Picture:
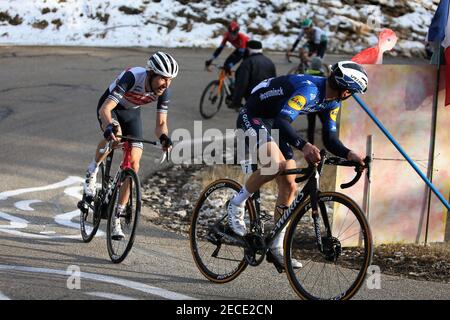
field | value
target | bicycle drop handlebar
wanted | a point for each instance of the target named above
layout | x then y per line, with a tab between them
165	155
306	173
132	139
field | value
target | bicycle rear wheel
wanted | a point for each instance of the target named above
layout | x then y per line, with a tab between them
211	100
336	271
90	214
218	258
128	182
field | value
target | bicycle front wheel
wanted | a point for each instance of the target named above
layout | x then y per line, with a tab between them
218	258
211	100
90	215
336	268
127	193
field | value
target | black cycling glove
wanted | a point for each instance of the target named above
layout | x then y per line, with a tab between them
110	129
165	141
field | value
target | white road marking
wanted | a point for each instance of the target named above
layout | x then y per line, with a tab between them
64	219
3	297
15	223
108	279
110	296
67	182
25	204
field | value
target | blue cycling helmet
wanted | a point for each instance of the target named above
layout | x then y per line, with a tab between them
349	75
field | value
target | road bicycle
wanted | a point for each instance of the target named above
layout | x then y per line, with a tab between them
104	204
326	231
303	66
215	92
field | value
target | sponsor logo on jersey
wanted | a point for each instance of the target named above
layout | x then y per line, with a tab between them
271	93
334	113
297	102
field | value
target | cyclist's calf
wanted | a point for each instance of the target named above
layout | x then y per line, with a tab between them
287	187
136	154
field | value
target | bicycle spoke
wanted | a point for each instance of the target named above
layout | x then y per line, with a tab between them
209	218
330	272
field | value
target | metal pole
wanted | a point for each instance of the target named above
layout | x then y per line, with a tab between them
366	199
366	192
399	148
447	225
433	141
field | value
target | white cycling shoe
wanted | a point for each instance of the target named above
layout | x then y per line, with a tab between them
90	184
236	219
117	233
277	253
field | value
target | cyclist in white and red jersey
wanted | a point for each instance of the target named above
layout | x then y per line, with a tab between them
238	40
119	113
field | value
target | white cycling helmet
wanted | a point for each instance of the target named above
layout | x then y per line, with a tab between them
163	64
349	75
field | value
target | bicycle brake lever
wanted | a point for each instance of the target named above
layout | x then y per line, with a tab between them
164	157
368	163
106	148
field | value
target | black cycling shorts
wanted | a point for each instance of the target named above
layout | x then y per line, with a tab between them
129	120
252	126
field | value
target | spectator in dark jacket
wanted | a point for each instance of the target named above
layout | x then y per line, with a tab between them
255	68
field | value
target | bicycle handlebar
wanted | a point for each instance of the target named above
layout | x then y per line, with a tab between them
219	67
337	161
359	169
132	139
164	156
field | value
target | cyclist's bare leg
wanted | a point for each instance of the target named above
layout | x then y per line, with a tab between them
99	157
136	155
277	160
287	188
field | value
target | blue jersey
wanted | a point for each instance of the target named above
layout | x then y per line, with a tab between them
281	100
292	95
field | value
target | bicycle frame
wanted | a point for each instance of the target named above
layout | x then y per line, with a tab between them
125	164
222	83
311	189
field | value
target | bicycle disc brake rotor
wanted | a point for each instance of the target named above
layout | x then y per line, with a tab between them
256	249
332	248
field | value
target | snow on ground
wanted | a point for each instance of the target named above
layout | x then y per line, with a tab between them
178	23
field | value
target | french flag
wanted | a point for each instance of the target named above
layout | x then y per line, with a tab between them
439	31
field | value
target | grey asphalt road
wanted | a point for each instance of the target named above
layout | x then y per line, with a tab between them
48	132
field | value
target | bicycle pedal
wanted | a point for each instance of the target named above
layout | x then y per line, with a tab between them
82	205
271	259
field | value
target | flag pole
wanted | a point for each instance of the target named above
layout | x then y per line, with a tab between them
399	148
433	139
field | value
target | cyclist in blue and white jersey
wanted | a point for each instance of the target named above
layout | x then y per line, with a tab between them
274	104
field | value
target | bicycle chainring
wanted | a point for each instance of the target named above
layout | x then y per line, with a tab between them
256	249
